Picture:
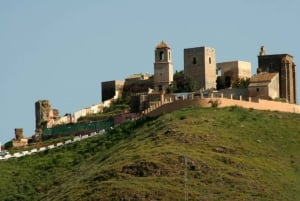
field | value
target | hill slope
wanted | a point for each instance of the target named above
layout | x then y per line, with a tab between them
210	153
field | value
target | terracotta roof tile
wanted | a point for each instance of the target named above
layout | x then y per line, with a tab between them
262	79
264	76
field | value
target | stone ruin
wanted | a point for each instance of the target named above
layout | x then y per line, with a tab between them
19	140
19	134
38	135
42	113
45	117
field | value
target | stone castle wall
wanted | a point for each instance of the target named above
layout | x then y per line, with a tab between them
166	107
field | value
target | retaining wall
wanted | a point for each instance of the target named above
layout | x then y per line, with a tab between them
166	107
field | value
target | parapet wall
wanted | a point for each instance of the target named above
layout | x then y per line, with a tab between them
170	106
263	105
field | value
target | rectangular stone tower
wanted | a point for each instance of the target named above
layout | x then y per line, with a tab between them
200	67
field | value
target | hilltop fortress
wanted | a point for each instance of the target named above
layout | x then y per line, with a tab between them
275	78
202	82
275	81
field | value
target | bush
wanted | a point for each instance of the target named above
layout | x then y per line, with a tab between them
214	103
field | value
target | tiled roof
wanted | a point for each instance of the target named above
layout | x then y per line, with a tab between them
264	76
162	44
262	79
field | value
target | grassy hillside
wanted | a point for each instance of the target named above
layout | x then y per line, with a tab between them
224	154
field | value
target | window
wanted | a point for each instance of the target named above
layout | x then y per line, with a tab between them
194	60
160	87
219	72
271	66
209	60
161	56
257	89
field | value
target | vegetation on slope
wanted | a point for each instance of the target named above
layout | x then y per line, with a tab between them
120	106
226	154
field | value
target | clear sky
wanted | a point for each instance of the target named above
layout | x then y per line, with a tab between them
62	50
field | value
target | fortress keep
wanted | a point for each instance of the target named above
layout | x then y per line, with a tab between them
200	66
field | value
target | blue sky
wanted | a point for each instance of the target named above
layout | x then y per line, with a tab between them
62	50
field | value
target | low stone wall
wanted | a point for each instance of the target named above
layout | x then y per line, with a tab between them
166	107
261	105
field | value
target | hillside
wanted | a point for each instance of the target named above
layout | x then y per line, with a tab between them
213	154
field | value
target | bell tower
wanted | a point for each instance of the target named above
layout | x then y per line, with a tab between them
163	67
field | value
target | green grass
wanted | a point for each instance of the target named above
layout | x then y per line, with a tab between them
232	154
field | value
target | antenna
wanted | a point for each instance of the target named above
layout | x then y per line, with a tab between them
186	195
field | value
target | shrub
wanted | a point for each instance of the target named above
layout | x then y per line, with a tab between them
214	103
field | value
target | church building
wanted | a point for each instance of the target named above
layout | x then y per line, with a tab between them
285	66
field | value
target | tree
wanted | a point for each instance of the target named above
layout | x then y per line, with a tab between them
241	83
227	81
223	82
181	83
220	83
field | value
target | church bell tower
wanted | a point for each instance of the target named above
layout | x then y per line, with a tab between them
163	67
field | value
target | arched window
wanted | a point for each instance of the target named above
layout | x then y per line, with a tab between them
161	56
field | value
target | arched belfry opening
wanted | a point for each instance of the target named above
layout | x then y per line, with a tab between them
161	56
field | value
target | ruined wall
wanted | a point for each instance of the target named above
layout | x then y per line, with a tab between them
19	140
19	133
43	113
112	89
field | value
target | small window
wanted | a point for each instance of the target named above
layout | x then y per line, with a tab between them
257	89
194	60
209	60
160	87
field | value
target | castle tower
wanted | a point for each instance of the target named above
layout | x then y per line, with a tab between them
43	113
200	66
163	67
285	66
